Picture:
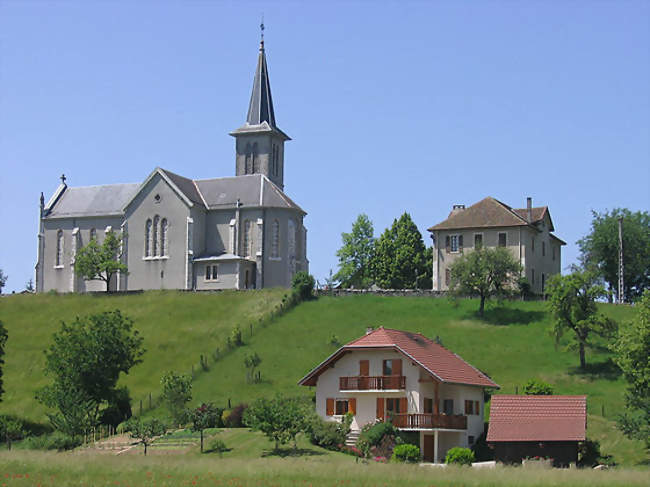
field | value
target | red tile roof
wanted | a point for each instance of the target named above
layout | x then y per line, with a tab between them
444	365
537	418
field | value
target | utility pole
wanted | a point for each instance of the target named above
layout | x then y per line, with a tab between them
620	260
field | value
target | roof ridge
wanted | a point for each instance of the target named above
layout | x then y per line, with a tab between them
100	185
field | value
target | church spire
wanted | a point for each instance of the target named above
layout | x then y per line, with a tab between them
260	108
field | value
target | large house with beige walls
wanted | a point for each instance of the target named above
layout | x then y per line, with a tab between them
525	232
408	379
240	232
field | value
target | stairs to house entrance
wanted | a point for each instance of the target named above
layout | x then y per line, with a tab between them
353	436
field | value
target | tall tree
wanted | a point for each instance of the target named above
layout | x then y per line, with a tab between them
205	416
572	300
600	249
355	255
632	349
485	272
280	419
101	262
85	362
3	280
400	259
176	393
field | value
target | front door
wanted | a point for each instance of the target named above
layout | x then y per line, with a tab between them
427	454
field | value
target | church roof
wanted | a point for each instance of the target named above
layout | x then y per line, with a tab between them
92	200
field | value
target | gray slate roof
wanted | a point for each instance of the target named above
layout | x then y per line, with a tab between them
92	200
260	108
253	190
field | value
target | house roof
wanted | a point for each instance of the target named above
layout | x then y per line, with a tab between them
90	200
537	418
490	212
441	363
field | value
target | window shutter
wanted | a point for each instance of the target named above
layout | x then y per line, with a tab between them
460	243
329	407
364	368
477	407
352	405
468	407
397	367
380	408
447	243
403	405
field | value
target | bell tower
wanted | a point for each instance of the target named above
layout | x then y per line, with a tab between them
259	143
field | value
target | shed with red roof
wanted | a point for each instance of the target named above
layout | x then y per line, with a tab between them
537	426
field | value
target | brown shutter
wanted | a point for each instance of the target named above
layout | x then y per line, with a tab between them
403	405
380	408
460	243
352	405
329	407
468	407
364	368
477	407
397	367
447	243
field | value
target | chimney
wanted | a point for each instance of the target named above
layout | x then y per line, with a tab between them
369	330
456	209
529	208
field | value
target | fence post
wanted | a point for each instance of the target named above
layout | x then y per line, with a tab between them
150	400
229	406
251	329
140	407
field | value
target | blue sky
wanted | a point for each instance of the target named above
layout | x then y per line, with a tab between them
392	106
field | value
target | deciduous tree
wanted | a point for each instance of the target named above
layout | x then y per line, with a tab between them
484	272
101	262
84	363
176	393
280	419
400	258
632	349
600	249
355	255
252	361
572	300
3	280
145	431
207	415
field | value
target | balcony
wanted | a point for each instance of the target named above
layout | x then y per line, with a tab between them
379	383
429	421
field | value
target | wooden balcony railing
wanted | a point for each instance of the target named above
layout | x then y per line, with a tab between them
426	421
380	383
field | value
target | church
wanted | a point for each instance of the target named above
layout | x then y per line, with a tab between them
240	232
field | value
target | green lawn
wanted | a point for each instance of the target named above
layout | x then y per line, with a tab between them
177	328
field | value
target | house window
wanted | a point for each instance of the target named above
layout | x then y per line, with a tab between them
502	239
388	367
448	406
93	234
477	407
392	405
211	272
470	439
275	239
454	243
59	248
543	249
147	238
447	277
428	405
163	237
248	243
478	240
156	243
342	406
469	407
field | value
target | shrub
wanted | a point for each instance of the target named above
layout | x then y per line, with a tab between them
54	441
303	285
235	339
589	454
459	456
233	418
327	434
374	433
406	453
217	445
534	387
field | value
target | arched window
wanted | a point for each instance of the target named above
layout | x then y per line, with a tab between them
156	232
147	238
59	248
275	239
256	163
248	160
248	242
93	234
163	237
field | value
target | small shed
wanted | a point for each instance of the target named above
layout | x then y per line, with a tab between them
537	426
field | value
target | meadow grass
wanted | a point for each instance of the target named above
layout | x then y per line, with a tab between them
23	468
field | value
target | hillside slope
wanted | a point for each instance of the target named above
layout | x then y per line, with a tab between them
177	328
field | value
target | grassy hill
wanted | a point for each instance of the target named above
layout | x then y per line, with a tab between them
511	344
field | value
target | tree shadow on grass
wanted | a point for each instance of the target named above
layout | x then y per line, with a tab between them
606	370
504	316
290	452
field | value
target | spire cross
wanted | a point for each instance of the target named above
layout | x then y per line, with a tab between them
262	33
63	178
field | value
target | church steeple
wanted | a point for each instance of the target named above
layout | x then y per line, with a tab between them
259	142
